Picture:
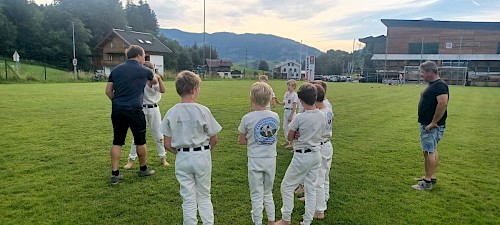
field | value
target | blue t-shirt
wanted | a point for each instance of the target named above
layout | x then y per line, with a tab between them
129	79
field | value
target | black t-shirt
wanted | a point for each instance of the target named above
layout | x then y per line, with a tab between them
129	79
428	102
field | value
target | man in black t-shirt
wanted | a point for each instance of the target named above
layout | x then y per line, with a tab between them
125	89
432	113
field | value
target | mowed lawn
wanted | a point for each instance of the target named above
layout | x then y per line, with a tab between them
55	165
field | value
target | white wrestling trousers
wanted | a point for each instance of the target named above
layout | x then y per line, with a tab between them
261	172
321	188
303	167
153	120
286	114
193	171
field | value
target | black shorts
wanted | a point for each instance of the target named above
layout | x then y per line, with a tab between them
124	118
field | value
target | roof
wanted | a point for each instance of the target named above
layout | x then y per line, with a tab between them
146	40
416	57
285	62
436	24
218	63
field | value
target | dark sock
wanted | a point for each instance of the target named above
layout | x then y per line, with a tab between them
433	179
144	168
427	181
115	172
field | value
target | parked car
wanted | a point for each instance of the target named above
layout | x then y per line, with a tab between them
333	78
318	77
343	78
349	78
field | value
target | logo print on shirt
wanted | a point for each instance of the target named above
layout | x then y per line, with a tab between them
329	118
265	131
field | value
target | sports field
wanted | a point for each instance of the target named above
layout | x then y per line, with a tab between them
55	165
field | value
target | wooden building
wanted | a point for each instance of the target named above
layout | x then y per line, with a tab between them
117	41
473	45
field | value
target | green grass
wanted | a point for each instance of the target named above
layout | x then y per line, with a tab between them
55	165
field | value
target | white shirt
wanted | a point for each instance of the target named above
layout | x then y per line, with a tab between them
328	104
189	125
261	129
152	95
268	107
289	99
329	121
300	108
311	126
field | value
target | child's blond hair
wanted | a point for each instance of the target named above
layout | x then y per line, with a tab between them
186	81
263	78
293	83
260	94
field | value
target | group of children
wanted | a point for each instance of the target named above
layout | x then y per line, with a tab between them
307	132
190	132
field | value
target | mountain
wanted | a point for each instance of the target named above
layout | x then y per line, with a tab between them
239	47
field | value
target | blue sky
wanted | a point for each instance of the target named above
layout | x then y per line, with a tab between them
324	24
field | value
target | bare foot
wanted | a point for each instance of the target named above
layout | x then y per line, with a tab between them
283	222
318	215
164	162
129	165
299	190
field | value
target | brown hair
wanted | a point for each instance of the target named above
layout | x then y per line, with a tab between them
307	92
186	81
260	93
321	92
293	83
134	51
263	78
429	66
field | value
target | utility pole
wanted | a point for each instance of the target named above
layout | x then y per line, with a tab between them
74	52
204	40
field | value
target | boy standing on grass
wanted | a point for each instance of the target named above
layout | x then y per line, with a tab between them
190	132
326	155
290	101
306	161
272	103
258	130
151	109
328	105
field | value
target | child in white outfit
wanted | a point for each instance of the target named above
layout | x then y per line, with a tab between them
258	130
306	161
326	155
190	132
290	102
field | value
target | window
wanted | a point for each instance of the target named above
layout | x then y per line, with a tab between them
110	57
425	48
112	45
284	69
295	70
148	42
140	41
288	64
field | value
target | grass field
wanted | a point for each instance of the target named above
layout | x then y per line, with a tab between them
55	166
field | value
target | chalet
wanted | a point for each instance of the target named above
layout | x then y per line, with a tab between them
219	66
117	41
288	70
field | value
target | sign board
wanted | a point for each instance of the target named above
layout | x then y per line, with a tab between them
16	56
310	61
75	62
449	45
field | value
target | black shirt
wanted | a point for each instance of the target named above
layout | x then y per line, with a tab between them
428	102
129	80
